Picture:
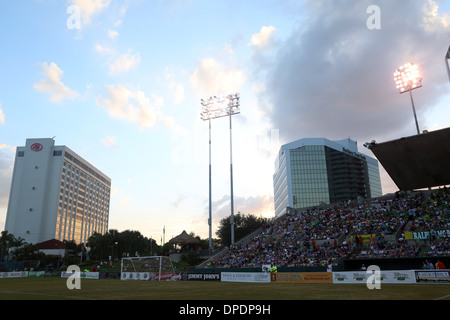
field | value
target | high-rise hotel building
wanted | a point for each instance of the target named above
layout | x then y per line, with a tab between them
56	194
315	171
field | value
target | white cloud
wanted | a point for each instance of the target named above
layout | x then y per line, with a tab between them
112	34
119	63
211	78
433	20
52	84
332	77
102	49
89	8
263	38
175	88
2	115
125	62
131	105
109	142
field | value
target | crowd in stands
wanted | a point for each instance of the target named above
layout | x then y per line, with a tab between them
440	247
319	237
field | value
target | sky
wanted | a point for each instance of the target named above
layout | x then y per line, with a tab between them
120	83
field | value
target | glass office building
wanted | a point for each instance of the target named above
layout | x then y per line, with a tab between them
316	171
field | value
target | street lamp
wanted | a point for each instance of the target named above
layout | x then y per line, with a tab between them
407	78
447	57
213	108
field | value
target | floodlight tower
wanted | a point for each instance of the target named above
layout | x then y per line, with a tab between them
447	57
407	78
213	108
234	108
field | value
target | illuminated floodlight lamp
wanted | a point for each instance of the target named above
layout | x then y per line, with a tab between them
407	77
222	106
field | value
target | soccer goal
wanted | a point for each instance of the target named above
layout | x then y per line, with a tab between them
147	268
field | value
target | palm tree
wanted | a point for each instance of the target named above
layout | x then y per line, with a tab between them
7	240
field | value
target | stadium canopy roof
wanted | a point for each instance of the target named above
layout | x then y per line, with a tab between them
416	162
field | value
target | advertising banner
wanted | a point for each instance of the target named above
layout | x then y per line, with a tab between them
365	237
261	277
200	276
165	276
402	276
303	277
433	276
14	274
82	275
426	234
135	276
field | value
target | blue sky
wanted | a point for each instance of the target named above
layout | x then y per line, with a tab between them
123	90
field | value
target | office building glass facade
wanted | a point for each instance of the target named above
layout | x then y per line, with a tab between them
309	176
312	172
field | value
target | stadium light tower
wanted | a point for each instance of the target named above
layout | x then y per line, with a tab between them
447	57
407	78
213	108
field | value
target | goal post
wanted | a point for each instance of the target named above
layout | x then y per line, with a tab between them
147	268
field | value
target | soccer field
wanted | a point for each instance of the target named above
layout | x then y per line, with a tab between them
91	289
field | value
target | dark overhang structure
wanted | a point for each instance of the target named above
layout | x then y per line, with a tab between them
416	162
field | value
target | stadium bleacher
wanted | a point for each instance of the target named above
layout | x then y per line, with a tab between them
378	228
409	224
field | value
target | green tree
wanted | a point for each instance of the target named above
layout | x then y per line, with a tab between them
74	249
27	252
243	226
6	240
118	244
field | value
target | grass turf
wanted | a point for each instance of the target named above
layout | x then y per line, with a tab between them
56	289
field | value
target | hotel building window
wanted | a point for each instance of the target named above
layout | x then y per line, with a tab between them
70	197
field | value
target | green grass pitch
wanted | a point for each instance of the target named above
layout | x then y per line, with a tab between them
49	288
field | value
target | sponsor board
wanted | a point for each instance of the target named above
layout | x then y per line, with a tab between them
303	277
109	275
147	276
427	234
402	276
14	274
261	277
200	276
433	276
81	275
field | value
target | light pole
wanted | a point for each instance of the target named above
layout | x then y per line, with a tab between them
213	108
407	78
447	57
233	104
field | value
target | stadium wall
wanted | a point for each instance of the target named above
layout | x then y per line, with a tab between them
392	263
335	277
347	265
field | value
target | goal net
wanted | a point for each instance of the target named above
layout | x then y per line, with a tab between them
147	268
